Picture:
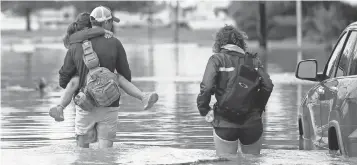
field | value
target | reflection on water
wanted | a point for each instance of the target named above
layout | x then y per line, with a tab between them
173	122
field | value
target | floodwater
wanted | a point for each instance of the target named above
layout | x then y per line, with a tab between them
172	132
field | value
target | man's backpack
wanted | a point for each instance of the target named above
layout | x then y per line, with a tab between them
101	87
241	91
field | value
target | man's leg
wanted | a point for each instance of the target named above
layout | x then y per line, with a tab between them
225	141
81	142
103	143
85	128
107	126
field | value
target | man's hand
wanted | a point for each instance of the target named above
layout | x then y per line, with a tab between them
108	34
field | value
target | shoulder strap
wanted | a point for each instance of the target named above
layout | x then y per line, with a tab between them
90	58
252	60
248	59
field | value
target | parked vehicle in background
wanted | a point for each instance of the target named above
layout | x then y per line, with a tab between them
328	113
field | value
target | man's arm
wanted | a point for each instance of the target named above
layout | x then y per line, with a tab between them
67	70
122	65
207	85
86	34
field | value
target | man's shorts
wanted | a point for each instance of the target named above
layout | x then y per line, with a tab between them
101	123
246	135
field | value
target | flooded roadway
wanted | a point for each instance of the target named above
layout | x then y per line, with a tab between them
172	132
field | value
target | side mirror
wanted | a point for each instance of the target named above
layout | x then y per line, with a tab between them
306	70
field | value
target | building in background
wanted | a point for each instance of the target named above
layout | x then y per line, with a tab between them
55	18
46	18
191	14
13	22
133	20
207	14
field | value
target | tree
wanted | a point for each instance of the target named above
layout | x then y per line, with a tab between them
325	21
262	33
130	6
25	8
245	13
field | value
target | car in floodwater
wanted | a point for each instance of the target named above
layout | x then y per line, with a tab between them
328	113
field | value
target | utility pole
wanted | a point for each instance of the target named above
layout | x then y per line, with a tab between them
299	29
28	19
176	31
262	33
150	39
299	40
150	25
176	38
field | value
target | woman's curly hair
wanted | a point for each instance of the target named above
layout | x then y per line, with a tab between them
229	35
82	21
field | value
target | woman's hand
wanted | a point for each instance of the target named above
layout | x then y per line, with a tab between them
108	34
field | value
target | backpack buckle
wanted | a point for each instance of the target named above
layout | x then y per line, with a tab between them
87	47
90	58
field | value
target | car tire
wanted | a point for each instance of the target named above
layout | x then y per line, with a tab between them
332	139
300	128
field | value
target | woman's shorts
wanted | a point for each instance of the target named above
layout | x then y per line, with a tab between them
246	135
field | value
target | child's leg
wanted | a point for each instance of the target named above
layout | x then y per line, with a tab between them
71	87
130	88
149	99
57	112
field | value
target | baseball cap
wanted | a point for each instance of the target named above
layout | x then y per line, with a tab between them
102	13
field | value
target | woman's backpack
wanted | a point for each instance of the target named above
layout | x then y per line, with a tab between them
241	91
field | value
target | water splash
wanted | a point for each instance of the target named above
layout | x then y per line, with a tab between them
67	153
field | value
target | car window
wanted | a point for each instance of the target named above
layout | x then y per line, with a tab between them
332	64
353	69
346	55
353	65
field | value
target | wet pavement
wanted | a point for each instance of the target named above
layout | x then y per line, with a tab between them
172	132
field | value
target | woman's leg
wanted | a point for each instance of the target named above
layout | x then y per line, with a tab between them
251	138
148	99
253	148
57	111
225	141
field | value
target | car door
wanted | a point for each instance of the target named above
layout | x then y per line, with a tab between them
334	89
316	107
345	106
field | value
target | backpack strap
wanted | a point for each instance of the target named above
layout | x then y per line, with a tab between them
90	58
249	59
